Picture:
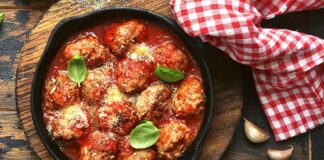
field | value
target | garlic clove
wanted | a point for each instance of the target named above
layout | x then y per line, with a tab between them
254	133
275	154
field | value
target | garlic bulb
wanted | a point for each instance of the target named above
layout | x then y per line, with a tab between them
254	133
275	154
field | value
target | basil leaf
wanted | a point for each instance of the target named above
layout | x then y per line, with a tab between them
1	17
168	74
77	69
144	135
145	121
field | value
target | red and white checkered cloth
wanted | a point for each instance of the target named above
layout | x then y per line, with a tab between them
287	66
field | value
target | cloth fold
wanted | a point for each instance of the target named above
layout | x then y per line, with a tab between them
288	66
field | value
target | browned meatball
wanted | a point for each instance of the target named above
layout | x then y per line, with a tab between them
140	52
60	90
154	96
174	138
146	154
119	118
189	98
99	145
114	95
96	83
168	55
132	76
120	35
126	152
89	47
70	122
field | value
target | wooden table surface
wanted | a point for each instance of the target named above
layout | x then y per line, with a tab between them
22	15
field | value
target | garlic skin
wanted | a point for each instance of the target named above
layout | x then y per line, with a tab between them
275	154
254	133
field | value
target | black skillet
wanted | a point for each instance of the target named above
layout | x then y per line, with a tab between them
69	26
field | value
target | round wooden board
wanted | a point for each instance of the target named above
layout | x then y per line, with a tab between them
226	77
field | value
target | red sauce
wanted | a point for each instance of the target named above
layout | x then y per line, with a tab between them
156	35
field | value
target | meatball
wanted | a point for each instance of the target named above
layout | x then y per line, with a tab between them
140	52
174	138
99	145
70	122
133	75
96	83
189	97
168	55
124	148
119	118
154	96
114	95
89	47
60	90
147	154
126	152
120	35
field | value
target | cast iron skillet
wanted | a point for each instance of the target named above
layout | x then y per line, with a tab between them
69	26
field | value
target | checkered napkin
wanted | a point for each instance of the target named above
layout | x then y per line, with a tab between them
287	66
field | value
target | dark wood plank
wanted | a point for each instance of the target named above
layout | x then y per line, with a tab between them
293	21
316	26
316	23
317	143
25	4
13	143
13	32
228	96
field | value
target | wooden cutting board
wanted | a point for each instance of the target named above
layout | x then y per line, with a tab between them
226	76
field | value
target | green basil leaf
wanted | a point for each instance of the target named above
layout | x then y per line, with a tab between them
144	135
77	69
168	74
1	17
146	121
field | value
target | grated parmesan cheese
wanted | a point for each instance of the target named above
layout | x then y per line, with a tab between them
140	52
114	95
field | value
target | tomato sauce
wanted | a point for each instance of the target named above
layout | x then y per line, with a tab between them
156	35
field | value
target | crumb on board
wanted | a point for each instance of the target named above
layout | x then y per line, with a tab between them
97	4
